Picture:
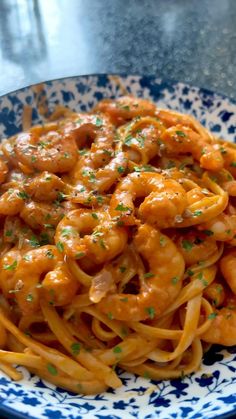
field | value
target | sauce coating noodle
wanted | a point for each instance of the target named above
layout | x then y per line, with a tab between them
117	239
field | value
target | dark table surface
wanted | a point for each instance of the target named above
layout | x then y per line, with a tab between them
188	40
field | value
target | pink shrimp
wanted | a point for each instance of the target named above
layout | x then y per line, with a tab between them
45	149
181	140
102	239
125	108
162	283
164	199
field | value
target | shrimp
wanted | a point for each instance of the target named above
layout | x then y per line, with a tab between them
222	227
162	283
45	149
3	170
140	138
215	293
46	187
43	267
229	155
195	246
40	215
12	201
182	140
101	179
125	108
94	129
8	264
228	268
17	233
164	199
86	233
223	328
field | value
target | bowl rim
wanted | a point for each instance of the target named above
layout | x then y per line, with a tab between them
121	74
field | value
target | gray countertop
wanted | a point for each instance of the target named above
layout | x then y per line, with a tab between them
192	41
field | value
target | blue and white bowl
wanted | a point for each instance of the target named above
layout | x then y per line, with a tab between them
209	393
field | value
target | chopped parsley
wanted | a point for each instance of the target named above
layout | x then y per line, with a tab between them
174	280
79	255
124	300
202	279
122	269
110	316
75	348
212	316
233	164
34	242
51	369
23	195
121	207
8	233
98	122
162	241
187	245
29	298
49	254
148	275
60	246
66	232
117	350
190	273
151	312
10	267
120	169
33	159
180	133
197	213
94	215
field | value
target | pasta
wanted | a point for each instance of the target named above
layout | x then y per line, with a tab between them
117	245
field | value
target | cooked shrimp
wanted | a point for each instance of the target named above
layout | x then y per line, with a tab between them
102	179
43	149
182	140
17	233
140	138
164	199
46	187
163	282
222	227
92	234
215	293
228	269
195	246
12	201
223	327
8	265
32	270
229	155
39	214
95	130
125	108
3	170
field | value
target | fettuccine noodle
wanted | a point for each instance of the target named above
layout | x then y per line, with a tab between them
117	245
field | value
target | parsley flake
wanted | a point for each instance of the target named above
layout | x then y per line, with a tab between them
212	316
121	207
151	312
75	347
10	267
51	369
187	245
60	246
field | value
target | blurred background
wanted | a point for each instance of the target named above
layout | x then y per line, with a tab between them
192	41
